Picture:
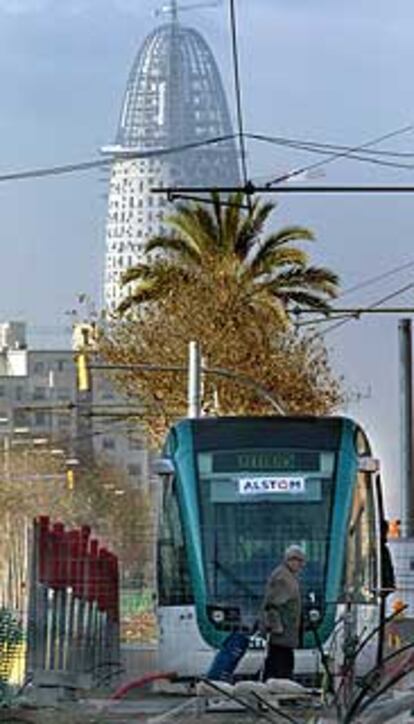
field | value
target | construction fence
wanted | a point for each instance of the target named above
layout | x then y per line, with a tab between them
69	635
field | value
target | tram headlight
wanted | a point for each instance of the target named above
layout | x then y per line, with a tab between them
217	615
314	616
224	617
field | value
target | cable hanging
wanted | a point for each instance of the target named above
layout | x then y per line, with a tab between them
356	313
103	162
344	154
318	145
308	146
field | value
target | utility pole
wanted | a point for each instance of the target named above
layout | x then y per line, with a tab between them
194	380
401	534
406	407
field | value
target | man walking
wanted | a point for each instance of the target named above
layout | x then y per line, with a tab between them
281	615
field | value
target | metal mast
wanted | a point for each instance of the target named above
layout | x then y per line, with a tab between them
406	397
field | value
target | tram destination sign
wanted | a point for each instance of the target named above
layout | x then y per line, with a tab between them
271	485
266	461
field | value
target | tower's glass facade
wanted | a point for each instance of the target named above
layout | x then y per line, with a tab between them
174	97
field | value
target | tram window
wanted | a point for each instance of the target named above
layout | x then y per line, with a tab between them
361	565
246	530
362	445
173	575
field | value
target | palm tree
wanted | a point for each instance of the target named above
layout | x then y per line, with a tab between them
226	242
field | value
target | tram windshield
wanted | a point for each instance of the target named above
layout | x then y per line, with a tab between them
253	504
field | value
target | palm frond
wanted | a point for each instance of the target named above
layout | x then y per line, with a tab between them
284	236
143	293
218	216
326	279
136	273
207	225
185	248
287	256
232	219
318	279
156	278
309	301
197	226
252	227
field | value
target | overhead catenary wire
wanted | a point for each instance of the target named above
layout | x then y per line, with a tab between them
358	312
273	186
377	278
181	192
84	166
327	149
129	155
351	156
237	88
316	145
391	295
369	281
346	153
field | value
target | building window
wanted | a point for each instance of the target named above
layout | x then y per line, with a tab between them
39	393
20	418
60	365
108	443
18	393
40	419
38	368
107	394
63	393
135	444
134	469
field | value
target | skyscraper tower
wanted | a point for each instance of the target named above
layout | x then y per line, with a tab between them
174	97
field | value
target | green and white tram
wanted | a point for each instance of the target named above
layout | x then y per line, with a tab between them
235	492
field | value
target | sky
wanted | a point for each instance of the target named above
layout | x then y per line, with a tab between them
326	71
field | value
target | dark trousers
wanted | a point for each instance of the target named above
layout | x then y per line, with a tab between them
279	663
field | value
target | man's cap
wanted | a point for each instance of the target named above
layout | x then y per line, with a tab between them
295	552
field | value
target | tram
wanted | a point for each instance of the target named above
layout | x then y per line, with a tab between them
236	491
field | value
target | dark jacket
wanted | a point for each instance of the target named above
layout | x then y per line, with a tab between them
281	609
